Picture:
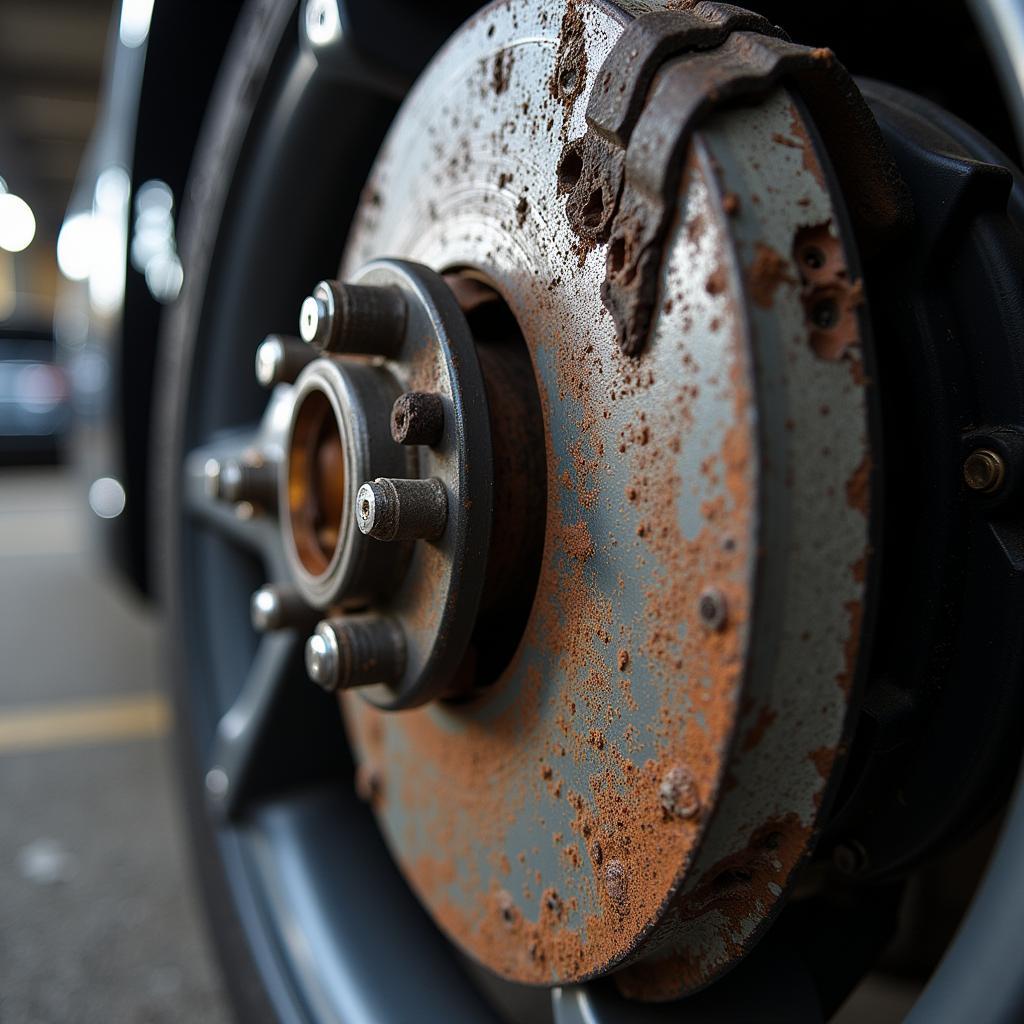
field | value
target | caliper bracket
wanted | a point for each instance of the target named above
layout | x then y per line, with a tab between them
623	176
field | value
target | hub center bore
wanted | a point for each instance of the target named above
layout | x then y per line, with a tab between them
387	487
337	437
316	482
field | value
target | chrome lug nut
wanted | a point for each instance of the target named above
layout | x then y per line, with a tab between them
353	318
280	359
417	417
279	606
393	509
357	650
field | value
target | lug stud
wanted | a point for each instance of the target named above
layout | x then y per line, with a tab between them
279	606
280	359
357	650
392	509
250	479
417	417
353	318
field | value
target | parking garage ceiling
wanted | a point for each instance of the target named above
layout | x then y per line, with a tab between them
51	68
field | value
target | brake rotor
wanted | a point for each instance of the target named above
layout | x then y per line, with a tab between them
638	786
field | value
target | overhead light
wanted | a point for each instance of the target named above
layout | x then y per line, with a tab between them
74	246
17	223
109	239
135	19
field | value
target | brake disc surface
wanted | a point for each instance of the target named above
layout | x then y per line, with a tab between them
638	786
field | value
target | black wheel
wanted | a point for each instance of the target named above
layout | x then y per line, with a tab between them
589	489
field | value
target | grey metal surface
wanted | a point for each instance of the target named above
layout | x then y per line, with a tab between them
530	821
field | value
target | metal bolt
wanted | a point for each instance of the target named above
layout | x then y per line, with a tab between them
850	858
211	478
238	480
280	359
712	609
678	792
353	318
391	509
357	650
279	606
417	417
217	782
984	471
616	882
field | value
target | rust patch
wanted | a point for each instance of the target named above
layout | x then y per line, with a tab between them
570	73
717	281
858	487
768	271
737	887
831	300
501	70
756	732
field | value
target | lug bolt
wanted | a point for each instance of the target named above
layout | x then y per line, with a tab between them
712	609
417	417
984	471
238	480
390	509
278	606
280	359
353	318
850	858
358	650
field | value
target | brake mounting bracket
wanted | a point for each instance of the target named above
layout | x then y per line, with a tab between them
667	73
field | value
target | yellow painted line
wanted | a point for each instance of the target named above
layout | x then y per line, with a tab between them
86	723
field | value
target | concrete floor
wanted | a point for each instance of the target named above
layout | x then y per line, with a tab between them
97	920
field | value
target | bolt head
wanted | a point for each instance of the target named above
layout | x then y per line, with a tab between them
678	793
368	507
315	320
211	478
850	858
417	417
712	609
265	610
231	481
322	657
984	471
269	362
216	782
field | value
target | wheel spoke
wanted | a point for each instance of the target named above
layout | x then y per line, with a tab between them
236	771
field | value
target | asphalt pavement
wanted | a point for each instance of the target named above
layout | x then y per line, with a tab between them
98	918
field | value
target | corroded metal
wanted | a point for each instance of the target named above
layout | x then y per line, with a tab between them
636	790
625	172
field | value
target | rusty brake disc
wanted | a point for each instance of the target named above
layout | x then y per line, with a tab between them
637	786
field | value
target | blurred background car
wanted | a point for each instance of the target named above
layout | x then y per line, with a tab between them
35	399
176	176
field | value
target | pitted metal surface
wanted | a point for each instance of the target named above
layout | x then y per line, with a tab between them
640	783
